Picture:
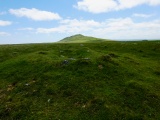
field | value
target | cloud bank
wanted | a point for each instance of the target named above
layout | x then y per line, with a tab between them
101	6
5	23
142	15
35	14
122	28
4	34
71	26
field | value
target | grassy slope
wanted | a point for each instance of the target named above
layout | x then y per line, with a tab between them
80	38
109	80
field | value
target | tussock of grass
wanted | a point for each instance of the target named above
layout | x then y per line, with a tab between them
98	81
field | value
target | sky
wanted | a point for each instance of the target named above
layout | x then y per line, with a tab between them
45	21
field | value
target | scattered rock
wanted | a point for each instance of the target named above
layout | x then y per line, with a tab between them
65	62
49	100
72	59
86	58
62	56
81	45
100	66
10	88
33	81
27	84
34	90
83	106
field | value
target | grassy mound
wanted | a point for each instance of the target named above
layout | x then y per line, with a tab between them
98	81
81	39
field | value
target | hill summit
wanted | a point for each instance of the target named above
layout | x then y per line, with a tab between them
79	38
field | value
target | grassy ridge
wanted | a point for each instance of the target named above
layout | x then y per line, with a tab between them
98	81
81	39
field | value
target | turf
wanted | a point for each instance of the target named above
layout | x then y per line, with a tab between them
80	81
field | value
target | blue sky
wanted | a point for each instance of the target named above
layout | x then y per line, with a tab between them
40	21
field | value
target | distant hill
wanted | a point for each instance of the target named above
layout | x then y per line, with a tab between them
81	38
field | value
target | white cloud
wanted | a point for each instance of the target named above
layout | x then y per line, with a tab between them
96	6
35	14
4	34
5	23
122	28
71	26
154	2
126	28
142	15
100	6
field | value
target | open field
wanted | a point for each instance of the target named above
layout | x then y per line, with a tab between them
80	81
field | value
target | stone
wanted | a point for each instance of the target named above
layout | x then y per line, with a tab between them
81	45
100	66
65	62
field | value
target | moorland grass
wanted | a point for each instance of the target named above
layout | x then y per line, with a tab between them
71	81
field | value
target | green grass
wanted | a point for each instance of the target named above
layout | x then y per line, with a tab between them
81	39
98	81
